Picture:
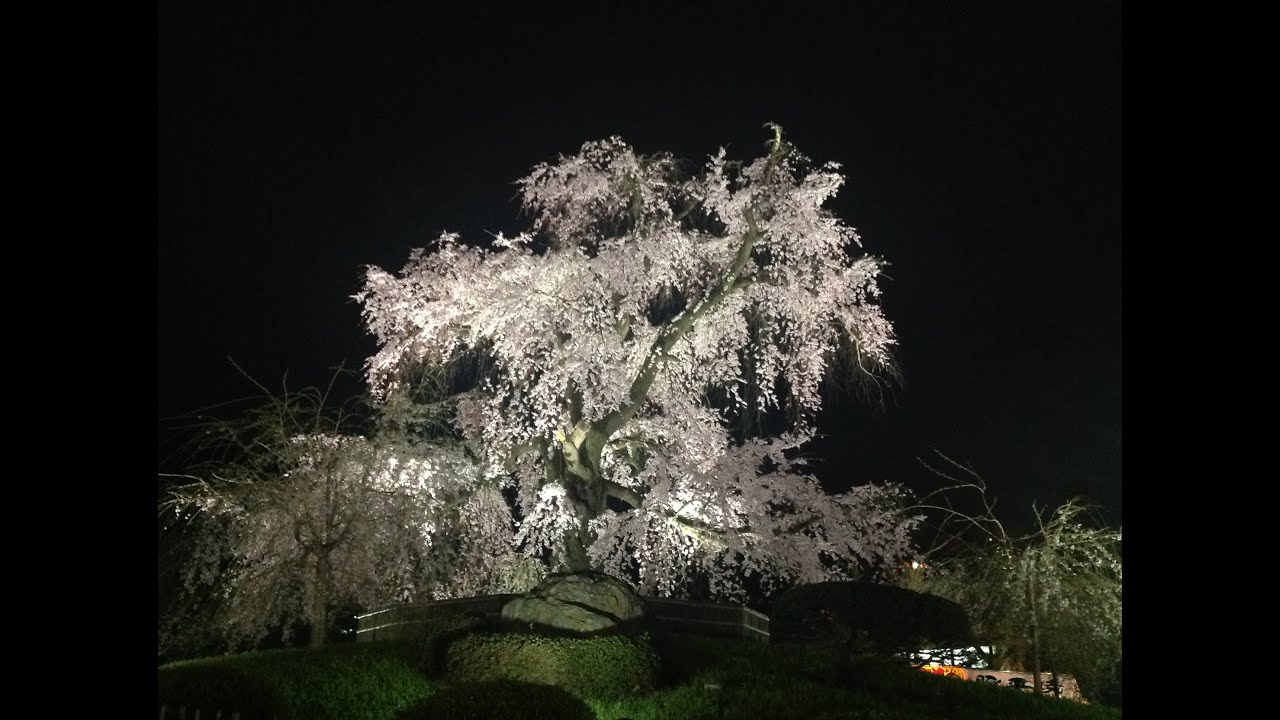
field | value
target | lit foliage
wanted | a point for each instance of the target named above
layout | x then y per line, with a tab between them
1060	586
302	519
641	314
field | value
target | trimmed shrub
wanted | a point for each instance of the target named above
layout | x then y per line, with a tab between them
212	684
500	699
604	667
735	678
366	681
869	618
437	634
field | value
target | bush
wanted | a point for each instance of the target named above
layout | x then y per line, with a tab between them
718	678
212	684
366	681
500	699
604	667
1102	683
436	636
869	618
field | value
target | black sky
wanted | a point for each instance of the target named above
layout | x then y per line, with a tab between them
982	146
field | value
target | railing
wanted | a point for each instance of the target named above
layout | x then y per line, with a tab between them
400	622
709	618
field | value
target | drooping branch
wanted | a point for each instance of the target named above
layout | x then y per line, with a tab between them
709	536
623	325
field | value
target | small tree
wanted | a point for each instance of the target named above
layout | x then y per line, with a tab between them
646	312
296	515
1054	594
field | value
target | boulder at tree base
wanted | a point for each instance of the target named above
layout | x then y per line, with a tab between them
585	602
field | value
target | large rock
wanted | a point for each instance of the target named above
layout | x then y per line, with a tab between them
585	602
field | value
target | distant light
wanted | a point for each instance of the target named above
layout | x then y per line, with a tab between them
915	565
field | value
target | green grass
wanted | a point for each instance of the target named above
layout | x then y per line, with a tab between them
366	681
592	668
504	698
702	679
709	679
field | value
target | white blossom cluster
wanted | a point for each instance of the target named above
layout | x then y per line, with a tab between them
611	321
347	521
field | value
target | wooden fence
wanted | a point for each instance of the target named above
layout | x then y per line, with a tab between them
709	618
402	621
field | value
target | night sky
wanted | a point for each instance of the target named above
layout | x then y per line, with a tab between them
981	147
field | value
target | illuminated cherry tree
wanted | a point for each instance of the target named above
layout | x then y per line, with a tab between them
643	313
1052	598
304	518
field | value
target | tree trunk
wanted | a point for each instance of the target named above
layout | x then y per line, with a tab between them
1035	636
320	604
575	553
578	539
579	473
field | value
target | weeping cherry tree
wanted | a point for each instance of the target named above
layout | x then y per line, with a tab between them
644	313
296	514
1051	598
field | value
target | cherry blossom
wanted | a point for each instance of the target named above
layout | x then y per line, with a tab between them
643	310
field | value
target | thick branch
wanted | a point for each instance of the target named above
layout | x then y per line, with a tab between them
700	531
509	462
342	536
625	494
799	525
692	206
677	329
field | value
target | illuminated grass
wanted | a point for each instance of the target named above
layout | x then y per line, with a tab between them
724	678
702	679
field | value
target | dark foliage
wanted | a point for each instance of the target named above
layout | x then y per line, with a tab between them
603	667
342	682
436	636
868	618
500	699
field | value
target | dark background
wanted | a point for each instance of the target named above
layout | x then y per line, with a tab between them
982	148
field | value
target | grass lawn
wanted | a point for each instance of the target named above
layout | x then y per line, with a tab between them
727	678
702	678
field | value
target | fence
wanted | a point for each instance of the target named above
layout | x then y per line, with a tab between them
709	618
402	621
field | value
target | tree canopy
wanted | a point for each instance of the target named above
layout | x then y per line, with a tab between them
589	393
644	311
1052	598
296	514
